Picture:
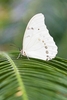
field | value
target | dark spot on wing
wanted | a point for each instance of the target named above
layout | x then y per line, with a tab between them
32	28
38	29
43	41
45	47
47	52
47	56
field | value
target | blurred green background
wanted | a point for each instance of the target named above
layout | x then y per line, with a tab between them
15	14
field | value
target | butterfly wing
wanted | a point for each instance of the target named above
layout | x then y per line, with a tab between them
37	42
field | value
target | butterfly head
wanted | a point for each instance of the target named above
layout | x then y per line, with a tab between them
23	52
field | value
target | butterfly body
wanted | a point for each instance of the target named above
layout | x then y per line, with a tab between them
37	42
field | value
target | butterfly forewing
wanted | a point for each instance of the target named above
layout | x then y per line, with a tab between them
37	42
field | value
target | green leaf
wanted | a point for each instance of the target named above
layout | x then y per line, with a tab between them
32	79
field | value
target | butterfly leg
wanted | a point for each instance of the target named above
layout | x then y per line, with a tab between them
28	58
19	55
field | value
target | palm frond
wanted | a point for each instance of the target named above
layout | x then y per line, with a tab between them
33	79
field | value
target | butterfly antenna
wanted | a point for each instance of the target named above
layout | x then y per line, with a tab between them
15	46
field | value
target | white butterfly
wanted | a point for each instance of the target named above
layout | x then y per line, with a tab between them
37	42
